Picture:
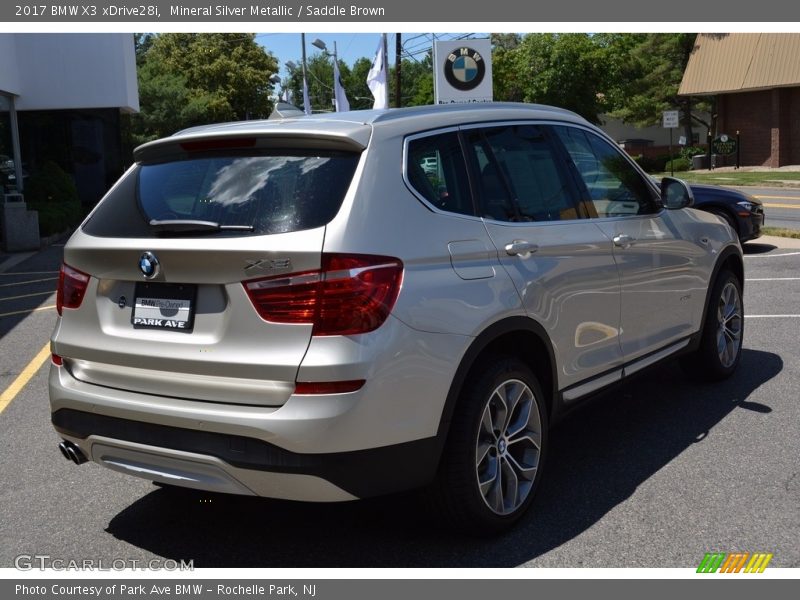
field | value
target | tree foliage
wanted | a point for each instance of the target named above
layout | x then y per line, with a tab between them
646	74
188	79
566	70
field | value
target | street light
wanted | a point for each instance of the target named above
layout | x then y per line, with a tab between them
318	43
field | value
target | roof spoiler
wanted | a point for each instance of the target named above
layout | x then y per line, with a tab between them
284	110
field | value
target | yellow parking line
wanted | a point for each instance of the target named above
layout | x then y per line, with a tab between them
777	197
23	378
29	310
770	205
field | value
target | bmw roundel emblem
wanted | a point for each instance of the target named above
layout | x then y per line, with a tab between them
464	69
149	265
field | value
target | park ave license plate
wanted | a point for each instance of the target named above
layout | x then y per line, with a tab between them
164	306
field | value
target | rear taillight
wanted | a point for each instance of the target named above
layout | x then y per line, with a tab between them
71	288
352	293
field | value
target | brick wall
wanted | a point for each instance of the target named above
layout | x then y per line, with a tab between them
767	122
794	125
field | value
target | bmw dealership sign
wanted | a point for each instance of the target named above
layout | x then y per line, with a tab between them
462	71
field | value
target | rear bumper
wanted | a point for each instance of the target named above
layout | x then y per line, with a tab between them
382	438
240	465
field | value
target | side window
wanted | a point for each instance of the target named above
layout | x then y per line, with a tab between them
519	178
614	187
435	169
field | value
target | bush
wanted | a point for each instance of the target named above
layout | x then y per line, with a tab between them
688	152
52	192
678	164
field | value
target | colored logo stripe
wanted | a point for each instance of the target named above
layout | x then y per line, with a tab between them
758	563
734	562
711	562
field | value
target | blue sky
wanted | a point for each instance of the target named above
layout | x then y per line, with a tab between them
350	46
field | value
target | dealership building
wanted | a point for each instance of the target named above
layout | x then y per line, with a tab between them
755	78
61	97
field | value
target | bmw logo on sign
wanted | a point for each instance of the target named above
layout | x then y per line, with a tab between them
464	69
149	265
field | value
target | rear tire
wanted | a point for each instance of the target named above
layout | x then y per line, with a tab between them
492	463
723	331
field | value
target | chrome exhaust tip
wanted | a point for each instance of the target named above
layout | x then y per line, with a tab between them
72	452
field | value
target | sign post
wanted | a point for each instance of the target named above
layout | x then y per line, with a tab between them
671	122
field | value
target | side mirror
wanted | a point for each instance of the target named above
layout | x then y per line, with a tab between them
675	194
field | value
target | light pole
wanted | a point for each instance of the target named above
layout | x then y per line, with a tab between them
318	43
306	101
339	95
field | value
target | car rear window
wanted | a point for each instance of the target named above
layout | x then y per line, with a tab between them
243	194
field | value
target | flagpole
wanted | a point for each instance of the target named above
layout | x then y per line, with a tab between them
306	101
335	78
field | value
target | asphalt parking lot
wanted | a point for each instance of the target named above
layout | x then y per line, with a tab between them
654	476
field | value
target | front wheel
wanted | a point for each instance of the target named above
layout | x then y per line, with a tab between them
723	331
493	460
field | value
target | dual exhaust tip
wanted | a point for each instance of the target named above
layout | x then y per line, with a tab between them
71	452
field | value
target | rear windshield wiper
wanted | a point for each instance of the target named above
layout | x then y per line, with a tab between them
193	226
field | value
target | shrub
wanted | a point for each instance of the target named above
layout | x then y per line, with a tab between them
678	164
52	192
689	151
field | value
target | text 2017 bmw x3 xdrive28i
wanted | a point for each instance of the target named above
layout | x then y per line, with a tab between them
306	309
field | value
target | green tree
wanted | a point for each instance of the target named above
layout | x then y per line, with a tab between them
187	79
647	74
167	104
416	85
567	70
356	84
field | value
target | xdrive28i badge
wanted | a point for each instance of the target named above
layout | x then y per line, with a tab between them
149	265
464	69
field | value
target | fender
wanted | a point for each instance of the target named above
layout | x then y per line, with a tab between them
481	343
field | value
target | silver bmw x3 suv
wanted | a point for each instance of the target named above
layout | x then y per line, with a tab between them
329	308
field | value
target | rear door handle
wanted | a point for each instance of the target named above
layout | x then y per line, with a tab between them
623	240
518	247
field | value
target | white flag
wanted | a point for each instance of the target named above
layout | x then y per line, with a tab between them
306	101
342	104
376	79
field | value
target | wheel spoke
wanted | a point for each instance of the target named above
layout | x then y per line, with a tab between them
523	414
526	472
487	426
510	484
483	450
490	473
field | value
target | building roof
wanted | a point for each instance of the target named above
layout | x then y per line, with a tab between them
741	62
